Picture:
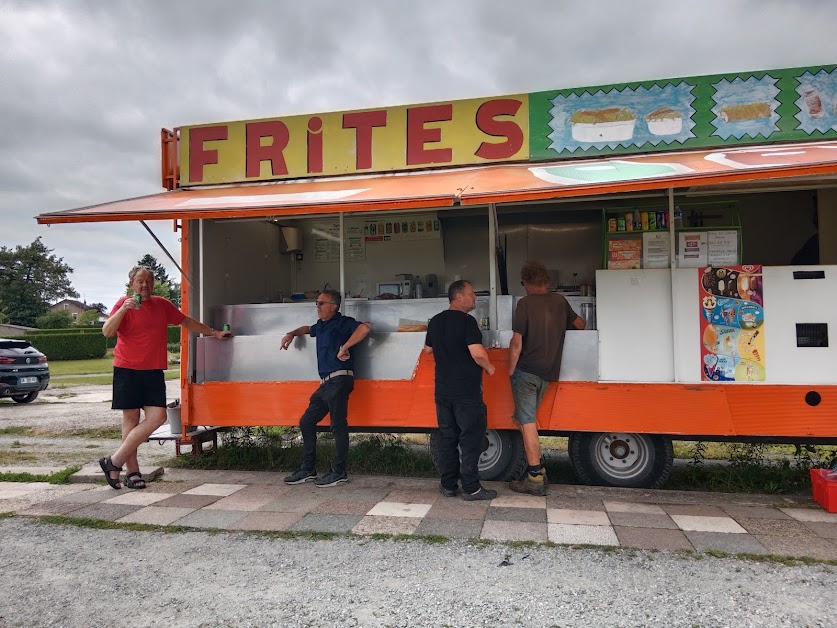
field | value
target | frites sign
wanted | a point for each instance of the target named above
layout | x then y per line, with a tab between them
376	140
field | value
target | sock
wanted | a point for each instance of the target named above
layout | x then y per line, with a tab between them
535	469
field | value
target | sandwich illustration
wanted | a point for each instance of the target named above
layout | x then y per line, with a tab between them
664	121
613	124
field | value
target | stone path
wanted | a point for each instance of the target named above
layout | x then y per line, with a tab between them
658	520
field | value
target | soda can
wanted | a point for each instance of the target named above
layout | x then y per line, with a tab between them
611	225
620	223
652	220
645	221
226	326
138	298
661	220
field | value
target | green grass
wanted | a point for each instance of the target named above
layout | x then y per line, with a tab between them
59	477
80	367
95	380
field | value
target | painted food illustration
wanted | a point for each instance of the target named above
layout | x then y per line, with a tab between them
742	113
614	124
727	282
664	121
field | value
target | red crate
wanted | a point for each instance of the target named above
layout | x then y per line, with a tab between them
825	489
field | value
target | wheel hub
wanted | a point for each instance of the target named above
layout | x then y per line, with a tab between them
622	455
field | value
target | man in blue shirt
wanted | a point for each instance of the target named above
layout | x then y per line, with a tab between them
335	335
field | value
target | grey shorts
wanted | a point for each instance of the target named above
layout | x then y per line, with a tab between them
528	391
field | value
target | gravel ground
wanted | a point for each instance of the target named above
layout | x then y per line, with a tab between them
68	576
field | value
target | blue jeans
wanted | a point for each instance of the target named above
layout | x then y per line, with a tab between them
462	424
528	391
332	397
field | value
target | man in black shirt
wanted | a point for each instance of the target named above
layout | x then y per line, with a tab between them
455	340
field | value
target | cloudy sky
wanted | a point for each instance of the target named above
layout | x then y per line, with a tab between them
85	86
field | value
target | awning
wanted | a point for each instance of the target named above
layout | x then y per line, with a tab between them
471	186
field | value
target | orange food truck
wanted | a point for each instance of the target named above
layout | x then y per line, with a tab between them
692	222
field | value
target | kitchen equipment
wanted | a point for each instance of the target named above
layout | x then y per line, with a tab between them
389	288
588	313
431	286
406	285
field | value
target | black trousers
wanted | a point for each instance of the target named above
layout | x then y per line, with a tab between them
332	397
462	424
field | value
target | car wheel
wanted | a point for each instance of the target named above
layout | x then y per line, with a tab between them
503	457
616	459
25	398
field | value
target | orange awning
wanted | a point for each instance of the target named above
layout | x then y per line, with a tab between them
471	186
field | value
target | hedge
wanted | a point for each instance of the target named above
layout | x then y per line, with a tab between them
70	346
79	343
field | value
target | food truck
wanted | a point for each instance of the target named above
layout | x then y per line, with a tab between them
692	222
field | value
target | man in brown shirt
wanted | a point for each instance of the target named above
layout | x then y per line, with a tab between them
540	322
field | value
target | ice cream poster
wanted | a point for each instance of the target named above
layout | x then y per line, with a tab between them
731	324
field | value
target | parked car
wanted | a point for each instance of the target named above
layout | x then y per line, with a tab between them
24	371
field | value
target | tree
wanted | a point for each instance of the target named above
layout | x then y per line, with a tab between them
61	319
100	308
89	318
31	278
163	284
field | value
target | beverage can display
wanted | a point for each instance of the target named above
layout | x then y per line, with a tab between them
646	224
611	225
652	220
661	220
629	222
620	224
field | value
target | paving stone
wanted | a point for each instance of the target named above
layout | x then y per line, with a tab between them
456	508
642	520
11	490
358	494
90	495
698	523
577	517
205	518
809	546
138	498
554	500
413	497
188	501
725	542
386	525
106	512
399	509
532	515
651	538
269	521
513	531
53	507
335	507
775	527
337	524
581	534
167	486
156	515
221	490
648	509
810	514
297	501
825	530
515	500
467	529
754	512
701	510
249	499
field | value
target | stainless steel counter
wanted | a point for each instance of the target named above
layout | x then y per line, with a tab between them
382	356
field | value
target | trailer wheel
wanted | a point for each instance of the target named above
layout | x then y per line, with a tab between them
615	459
503	457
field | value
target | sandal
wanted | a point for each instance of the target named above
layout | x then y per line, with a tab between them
108	467
137	483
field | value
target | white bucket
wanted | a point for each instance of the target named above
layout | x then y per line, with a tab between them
174	420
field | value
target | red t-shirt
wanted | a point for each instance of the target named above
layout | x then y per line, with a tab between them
141	340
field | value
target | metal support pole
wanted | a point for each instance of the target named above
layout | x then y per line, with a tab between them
492	266
160	244
673	268
342	258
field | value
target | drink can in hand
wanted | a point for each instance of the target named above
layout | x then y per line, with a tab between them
138	298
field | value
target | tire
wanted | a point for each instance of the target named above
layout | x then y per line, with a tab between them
27	398
503	457
615	459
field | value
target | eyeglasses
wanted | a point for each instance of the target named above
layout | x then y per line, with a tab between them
320	303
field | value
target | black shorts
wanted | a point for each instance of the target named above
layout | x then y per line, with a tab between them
137	389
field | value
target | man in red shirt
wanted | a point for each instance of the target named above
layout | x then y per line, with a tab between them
140	323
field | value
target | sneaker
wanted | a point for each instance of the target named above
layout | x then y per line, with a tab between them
531	484
482	494
331	478
300	476
448	492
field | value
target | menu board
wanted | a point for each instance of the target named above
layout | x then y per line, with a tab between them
731	324
722	247
656	249
401	228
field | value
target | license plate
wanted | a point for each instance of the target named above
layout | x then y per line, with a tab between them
27	380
